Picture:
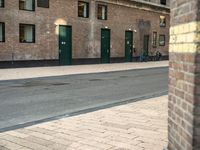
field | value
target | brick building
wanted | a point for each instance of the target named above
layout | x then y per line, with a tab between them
184	79
85	31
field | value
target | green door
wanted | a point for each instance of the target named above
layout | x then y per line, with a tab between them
105	45
128	46
65	45
146	45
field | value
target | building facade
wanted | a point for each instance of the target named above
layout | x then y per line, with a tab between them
85	31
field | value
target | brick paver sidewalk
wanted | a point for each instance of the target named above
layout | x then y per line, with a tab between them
136	126
22	73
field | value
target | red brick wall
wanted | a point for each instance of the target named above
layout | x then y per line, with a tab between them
86	32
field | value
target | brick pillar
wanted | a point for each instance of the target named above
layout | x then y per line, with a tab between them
184	76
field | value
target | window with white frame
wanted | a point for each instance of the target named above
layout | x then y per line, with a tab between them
27	5
102	12
154	42
27	33
83	9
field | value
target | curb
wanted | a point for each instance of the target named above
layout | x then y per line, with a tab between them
87	110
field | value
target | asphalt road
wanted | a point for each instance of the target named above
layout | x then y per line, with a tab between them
24	102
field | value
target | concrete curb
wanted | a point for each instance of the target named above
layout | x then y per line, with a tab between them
87	110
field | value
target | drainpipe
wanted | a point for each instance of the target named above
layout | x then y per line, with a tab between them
12	56
12	49
91	47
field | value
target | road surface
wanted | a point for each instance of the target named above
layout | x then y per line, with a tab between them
24	102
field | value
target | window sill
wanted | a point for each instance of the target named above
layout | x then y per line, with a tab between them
28	42
102	19
27	10
83	17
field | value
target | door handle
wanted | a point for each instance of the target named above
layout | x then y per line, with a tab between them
107	51
59	50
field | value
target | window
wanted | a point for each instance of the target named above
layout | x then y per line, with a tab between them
27	33
2	32
102	12
83	9
162	40
27	5
43	3
1	3
154	42
162	21
163	2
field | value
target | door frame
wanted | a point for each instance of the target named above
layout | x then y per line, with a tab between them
108	53
146	35
129	53
59	42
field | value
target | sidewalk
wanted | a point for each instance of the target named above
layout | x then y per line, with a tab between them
24	73
136	126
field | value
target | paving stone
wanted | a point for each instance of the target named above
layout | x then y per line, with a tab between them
25	148
9	145
41	135
17	134
3	148
24	143
43	131
58	146
125	127
67	137
62	141
95	144
39	140
87	147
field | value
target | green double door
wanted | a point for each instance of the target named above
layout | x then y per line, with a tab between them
105	45
65	45
128	46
